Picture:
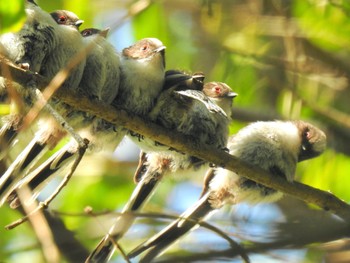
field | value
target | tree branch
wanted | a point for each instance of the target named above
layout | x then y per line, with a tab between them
323	199
295	232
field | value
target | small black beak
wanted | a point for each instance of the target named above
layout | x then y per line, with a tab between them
32	1
78	23
161	48
104	33
232	94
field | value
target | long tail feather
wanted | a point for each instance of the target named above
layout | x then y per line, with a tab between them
103	251
143	191
41	175
34	150
188	220
8	133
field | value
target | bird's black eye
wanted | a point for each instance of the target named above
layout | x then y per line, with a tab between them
306	134
62	19
86	33
144	47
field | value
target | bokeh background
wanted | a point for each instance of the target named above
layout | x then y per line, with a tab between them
287	59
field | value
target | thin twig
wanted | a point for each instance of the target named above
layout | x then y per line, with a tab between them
153	215
45	204
120	249
219	232
135	9
339	117
15	96
89	211
40	227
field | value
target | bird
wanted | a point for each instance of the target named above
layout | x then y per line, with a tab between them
100	133
42	47
69	43
26	48
29	46
101	75
142	76
142	80
170	107
202	119
274	146
192	112
66	42
174	80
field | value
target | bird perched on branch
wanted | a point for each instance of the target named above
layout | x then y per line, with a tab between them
142	76
43	46
66	42
191	112
184	107
27	48
101	133
101	76
142	80
69	43
275	147
175	80
100	81
194	113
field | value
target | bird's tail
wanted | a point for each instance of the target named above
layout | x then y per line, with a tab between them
42	175
187	221
17	170
8	133
103	251
143	191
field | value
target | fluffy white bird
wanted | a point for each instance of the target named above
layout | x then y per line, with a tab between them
276	147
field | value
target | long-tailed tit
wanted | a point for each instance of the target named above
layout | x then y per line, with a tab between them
100	81
190	106
67	42
276	147
102	134
29	46
101	76
142	76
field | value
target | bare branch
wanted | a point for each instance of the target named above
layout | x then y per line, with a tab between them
40	227
190	145
234	245
88	211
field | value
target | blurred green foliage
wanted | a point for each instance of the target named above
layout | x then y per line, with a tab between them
258	48
327	25
12	15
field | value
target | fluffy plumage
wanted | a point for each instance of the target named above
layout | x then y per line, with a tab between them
276	147
142	76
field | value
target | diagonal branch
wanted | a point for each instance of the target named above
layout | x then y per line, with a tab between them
323	199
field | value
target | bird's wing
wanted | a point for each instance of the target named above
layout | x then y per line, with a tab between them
200	96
